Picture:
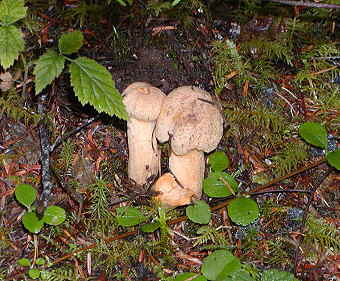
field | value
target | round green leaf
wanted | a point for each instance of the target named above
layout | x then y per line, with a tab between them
277	275
333	159
215	185
34	273
218	161
70	42
241	275
129	216
189	276
31	222
314	133
40	261
219	265
199	212
25	194
54	215
243	211
24	262
150	227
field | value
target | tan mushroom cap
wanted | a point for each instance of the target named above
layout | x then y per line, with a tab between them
191	119
143	101
170	193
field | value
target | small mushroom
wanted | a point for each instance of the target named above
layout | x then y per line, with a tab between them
194	125
143	104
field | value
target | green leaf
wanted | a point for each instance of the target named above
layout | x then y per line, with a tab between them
219	265
243	211
150	227
175	2
199	212
40	261
47	68
333	159
314	133
34	273
241	275
129	216
218	161
93	84
11	44
25	194
12	11
189	276
215	185
277	275
31	222
70	42
54	215
24	262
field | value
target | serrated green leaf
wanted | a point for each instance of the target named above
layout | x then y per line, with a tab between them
218	161
243	211
150	227
47	68
129	216
25	194
93	84
277	275
219	265
219	184
11	44
70	42
199	212
54	215
333	159
34	273
31	222
314	133
12	11
24	262
189	276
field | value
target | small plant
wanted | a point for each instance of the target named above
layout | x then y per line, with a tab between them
92	82
222	265
241	210
316	134
11	37
53	215
33	272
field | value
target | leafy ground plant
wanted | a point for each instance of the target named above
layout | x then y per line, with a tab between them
316	134
53	215
11	37
218	184
92	82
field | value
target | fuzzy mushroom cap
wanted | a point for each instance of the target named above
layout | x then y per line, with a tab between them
191	119
143	101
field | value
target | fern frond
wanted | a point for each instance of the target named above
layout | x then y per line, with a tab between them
321	235
289	158
59	274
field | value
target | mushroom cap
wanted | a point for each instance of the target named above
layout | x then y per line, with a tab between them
170	193
191	119
143	101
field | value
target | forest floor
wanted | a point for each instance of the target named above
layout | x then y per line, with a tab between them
297	230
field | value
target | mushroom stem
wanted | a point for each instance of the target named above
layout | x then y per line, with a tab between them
144	155
188	170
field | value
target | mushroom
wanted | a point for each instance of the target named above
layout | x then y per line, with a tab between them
194	125
143	104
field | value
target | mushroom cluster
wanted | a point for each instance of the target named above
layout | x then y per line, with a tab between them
189	120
